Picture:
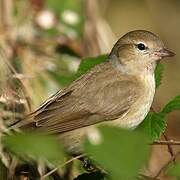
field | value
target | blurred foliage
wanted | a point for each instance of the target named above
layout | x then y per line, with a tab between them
35	145
122	153
174	170
69	13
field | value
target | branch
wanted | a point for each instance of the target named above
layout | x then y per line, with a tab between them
170	148
170	142
167	164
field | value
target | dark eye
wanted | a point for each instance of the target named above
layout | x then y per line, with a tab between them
141	46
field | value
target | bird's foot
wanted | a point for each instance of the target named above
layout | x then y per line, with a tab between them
89	166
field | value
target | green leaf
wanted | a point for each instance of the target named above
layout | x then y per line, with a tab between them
63	79
158	74
153	125
172	105
174	170
90	62
35	146
121	152
85	65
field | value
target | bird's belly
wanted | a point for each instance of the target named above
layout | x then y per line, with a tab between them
139	110
135	116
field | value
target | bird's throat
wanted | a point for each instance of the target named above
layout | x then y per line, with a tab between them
133	69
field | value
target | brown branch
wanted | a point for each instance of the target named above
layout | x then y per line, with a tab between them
91	45
12	69
170	142
167	164
5	15
169	146
145	177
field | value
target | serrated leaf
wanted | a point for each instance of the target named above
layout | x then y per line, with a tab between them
153	125
174	170
158	74
34	145
88	63
121	152
174	104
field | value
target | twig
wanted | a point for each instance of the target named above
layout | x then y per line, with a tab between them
12	69
170	149
167	164
170	142
145	177
55	169
90	29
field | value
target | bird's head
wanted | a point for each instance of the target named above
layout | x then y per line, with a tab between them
139	49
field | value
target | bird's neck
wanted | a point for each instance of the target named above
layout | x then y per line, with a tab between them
137	70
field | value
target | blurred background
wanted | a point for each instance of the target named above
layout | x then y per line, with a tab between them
42	43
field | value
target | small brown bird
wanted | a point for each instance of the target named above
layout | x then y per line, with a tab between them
118	92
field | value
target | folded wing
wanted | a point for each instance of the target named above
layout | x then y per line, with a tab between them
100	95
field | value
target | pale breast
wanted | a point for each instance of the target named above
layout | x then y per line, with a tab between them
139	110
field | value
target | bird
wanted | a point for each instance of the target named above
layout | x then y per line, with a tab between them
117	92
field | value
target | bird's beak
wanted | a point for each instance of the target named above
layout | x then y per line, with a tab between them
164	53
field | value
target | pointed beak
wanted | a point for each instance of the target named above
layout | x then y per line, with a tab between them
164	53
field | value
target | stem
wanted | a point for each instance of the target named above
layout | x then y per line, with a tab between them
167	164
170	142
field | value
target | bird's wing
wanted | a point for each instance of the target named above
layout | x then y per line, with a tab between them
102	94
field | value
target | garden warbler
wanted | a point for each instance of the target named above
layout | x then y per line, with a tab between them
117	92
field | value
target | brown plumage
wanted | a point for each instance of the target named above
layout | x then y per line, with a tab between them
86	102
119	91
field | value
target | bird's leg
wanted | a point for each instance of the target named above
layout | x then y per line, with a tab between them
89	166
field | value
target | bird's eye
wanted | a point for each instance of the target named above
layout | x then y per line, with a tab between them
141	46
